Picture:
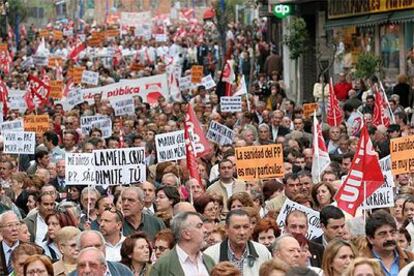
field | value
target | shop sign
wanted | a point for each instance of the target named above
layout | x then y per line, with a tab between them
281	11
346	8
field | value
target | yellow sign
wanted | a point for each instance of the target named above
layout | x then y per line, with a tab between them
197	73
55	60
36	123
259	162
58	35
76	74
402	155
56	89
309	108
346	8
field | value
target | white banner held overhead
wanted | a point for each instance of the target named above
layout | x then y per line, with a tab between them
79	169
120	166
90	77
123	106
104	123
314	229
19	142
170	146
220	134
231	104
15	125
75	97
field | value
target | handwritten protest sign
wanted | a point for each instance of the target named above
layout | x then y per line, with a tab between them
15	125
123	106
57	35
76	74
56	89
231	104
36	123
120	166
19	142
112	33
402	155
185	82
74	97
44	33
170	146
197	73
220	134
96	39
53	61
309	109
259	162
90	77
314	229
79	169
135	66
40	60
104	123
208	82
161	37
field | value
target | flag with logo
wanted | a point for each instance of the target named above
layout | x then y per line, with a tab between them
201	145
4	94
364	177
379	117
320	159
334	114
37	93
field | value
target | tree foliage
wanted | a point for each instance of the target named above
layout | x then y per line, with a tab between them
367	65
17	9
296	38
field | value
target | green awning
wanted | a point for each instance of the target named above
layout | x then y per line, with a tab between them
402	16
359	21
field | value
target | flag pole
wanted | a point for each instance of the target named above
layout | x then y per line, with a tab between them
316	145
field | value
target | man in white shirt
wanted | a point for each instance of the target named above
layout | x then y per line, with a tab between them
9	230
186	257
110	227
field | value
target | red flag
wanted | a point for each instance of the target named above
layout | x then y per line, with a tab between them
320	160
5	61
334	113
77	50
379	117
4	94
37	92
364	178
228	77
191	155
201	145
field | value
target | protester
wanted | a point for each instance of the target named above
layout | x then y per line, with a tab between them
38	264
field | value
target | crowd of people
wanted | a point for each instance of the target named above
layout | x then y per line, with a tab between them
227	226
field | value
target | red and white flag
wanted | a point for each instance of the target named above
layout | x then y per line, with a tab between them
228	77
199	140
37	93
76	51
4	94
320	159
364	178
5	60
334	113
191	155
379	117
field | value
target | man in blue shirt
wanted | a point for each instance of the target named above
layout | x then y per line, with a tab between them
381	232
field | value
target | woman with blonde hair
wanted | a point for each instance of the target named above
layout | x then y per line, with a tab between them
364	266
337	257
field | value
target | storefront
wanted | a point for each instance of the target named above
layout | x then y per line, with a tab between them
382	27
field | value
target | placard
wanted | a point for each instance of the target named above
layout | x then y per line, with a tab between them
120	166
44	33
19	142
56	89
220	134
90	77
135	66
55	60
104	123
402	155
79	169
123	106
309	109
112	33
40	60
74	97
170	146
208	82
15	125
161	37
231	104
36	123
314	228
185	82
57	35
197	73
96	39
259	162
76	74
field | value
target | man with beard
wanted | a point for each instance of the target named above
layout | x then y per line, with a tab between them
381	232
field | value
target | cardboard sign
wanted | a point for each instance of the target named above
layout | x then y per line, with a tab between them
44	33
36	123
57	35
112	33
185	82
120	166
170	146
90	77
402	155
197	73
55	60
15	125
314	228
79	169
96	39
76	74
231	104
259	162
104	123
3	47
135	66
40	60
208	82
123	106
309	109
220	134
19	142
56	89
161	37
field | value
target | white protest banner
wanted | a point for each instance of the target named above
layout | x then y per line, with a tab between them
185	82
40	60
230	104
28	62
103	123
16	100
135	19
75	97
123	106
149	88
86	122
120	166
79	169
220	134
384	196
161	37
90	77
208	82
314	229
23	142
170	146
15	125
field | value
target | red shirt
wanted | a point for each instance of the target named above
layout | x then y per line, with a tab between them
341	90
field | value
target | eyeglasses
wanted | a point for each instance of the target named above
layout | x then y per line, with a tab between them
11	225
37	271
117	212
160	248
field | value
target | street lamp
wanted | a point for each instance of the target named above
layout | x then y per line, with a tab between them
4	7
